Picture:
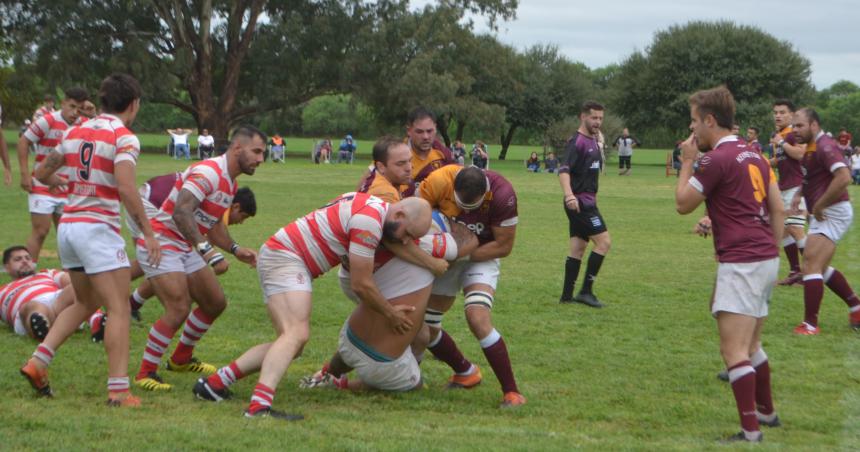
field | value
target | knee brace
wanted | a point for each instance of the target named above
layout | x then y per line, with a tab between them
478	298
433	318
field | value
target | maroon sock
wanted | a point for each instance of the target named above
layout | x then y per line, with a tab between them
793	256
813	292
763	397
497	356
839	285
743	379
446	351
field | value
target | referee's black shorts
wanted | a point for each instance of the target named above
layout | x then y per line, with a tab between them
586	223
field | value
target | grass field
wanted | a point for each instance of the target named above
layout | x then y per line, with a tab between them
639	374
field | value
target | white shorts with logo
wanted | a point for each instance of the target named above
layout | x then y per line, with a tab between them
186	262
47	299
745	288
377	371
837	220
95	247
394	279
787	197
465	273
282	271
46	205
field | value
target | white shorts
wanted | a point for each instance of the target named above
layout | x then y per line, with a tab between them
93	247
745	288
375	370
46	205
394	279
464	273
171	262
148	208
787	196
837	220
47	299
282	271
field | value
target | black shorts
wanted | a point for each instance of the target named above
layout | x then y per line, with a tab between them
586	223
623	160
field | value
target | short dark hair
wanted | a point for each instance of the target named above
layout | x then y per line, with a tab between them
78	94
381	147
117	92
589	105
786	102
7	253
717	102
754	129
471	182
246	200
48	98
248	131
811	115
419	113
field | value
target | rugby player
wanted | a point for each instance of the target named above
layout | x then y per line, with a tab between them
825	181
30	303
746	215
486	203
45	203
101	156
347	230
428	154
787	154
578	176
194	208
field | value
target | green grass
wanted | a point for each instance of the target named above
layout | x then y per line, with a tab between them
639	374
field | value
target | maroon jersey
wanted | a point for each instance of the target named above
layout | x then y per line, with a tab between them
820	161
756	146
160	187
499	209
734	179
790	175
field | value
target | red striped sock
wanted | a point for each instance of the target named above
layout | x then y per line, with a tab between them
159	339
262	398
95	320
44	353
196	325
225	376
742	377
117	385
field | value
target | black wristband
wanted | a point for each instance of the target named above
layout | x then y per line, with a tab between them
233	248
217	257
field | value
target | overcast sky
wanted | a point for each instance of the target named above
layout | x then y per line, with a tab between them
602	32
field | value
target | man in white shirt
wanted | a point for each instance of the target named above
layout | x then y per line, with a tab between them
205	145
625	144
180	142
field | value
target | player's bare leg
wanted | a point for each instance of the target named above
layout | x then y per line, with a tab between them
41	226
172	291
211	302
794	245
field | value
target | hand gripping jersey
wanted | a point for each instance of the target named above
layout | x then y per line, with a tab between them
91	151
46	133
377	185
499	208
351	223
734	179
21	291
209	182
821	159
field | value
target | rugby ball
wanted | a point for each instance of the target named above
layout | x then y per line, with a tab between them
440	223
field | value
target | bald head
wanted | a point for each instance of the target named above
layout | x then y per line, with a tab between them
408	219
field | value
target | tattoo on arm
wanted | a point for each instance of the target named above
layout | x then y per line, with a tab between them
183	216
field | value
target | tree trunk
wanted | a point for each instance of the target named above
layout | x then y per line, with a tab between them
506	141
442	124
461	126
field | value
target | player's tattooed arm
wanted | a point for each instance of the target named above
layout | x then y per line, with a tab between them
465	239
183	216
45	173
498	248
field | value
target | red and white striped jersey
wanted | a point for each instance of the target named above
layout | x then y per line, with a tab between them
46	133
209	182
91	151
42	111
21	291
351	223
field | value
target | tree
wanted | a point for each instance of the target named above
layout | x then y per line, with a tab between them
232	60
651	88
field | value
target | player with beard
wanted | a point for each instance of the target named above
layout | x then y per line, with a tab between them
787	155
428	154
578	176
825	181
746	213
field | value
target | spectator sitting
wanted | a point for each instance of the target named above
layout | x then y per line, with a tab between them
479	155
855	165
459	152
180	142
205	145
322	151
346	151
277	145
550	163
533	163
676	158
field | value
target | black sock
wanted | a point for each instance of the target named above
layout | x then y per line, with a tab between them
571	272
594	262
